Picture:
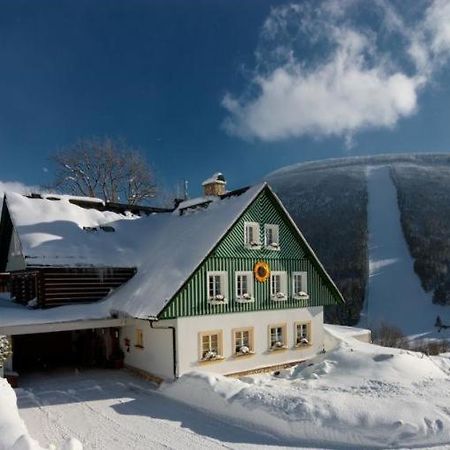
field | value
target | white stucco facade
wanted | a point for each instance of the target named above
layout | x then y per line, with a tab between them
155	355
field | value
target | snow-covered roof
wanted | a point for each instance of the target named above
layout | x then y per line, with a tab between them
57	232
166	248
177	247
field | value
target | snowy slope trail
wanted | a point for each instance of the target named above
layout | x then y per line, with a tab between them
394	294
114	410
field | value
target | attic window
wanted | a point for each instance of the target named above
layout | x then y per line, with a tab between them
251	235
52	198
272	240
107	228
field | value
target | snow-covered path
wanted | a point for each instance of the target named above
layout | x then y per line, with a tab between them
114	410
394	293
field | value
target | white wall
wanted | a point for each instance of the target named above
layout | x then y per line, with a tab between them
156	355
188	340
157	358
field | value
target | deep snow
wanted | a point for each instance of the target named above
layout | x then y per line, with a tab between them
394	294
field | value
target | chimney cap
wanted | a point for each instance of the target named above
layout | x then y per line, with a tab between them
217	178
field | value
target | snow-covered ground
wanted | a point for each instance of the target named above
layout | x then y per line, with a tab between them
354	397
394	293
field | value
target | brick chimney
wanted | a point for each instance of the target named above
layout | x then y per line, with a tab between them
214	185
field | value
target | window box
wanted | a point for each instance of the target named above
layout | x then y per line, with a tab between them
278	346
302	295
218	300
211	356
279	297
245	299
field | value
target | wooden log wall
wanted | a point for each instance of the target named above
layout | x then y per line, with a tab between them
59	286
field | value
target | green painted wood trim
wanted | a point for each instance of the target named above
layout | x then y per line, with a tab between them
230	255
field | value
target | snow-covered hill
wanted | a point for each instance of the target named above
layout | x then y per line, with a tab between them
339	204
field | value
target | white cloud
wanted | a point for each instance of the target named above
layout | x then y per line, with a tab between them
348	82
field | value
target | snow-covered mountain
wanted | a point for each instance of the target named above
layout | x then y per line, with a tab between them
381	226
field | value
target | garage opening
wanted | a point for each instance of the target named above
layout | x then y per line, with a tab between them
77	348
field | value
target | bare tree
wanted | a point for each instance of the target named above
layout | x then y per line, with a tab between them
106	168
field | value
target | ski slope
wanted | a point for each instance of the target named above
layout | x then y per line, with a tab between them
394	294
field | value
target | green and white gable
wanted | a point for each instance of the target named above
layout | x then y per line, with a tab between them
231	263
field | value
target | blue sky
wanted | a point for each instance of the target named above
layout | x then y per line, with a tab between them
243	87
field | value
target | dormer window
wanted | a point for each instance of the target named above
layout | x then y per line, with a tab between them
251	235
272	238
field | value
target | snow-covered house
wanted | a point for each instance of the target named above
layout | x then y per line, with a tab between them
224	283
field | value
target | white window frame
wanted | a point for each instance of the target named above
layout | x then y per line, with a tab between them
250	283
256	239
308	334
215	300
276	296
304	286
275	229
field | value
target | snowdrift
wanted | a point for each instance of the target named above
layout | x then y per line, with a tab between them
13	432
356	396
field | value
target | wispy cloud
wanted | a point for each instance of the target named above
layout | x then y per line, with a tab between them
323	71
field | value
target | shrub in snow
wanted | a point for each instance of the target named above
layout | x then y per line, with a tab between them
5	349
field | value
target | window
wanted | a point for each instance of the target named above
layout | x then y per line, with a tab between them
277	337
243	341
210	345
139	338
217	287
244	287
302	334
299	285
251	238
278	286
272	236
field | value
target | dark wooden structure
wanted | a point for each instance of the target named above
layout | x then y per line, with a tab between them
4	281
56	286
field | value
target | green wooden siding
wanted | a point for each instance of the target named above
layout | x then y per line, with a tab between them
230	255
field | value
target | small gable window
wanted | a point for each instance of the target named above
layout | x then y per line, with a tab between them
302	334
251	235
277	337
278	286
299	286
210	345
272	238
244	287
217	288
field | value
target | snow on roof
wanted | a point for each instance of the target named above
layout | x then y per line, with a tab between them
178	246
64	234
216	178
166	248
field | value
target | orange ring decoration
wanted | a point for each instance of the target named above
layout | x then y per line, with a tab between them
261	271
